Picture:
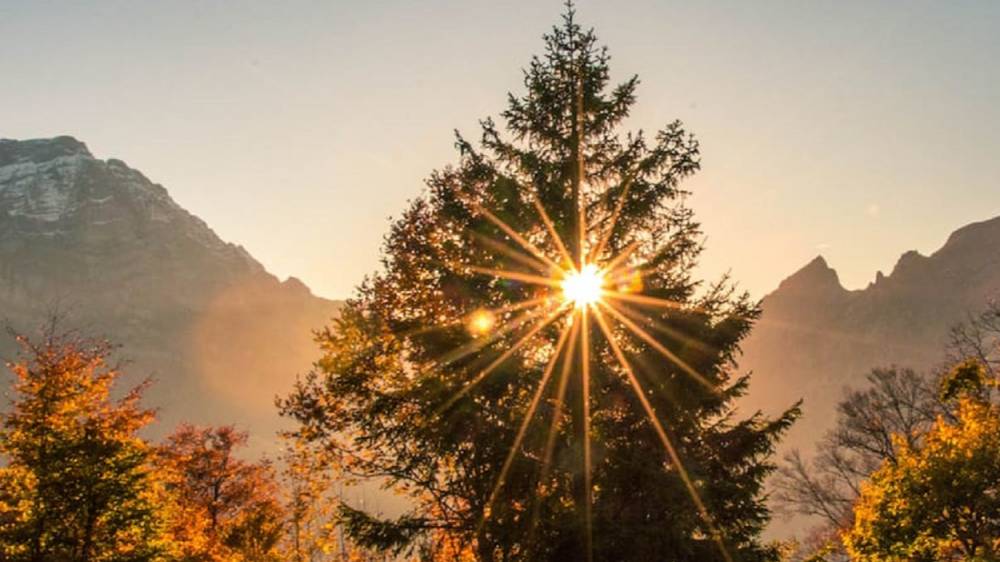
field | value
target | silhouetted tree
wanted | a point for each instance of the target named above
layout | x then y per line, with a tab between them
392	400
939	500
897	408
978	338
77	485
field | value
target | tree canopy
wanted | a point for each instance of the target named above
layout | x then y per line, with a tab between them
939	500
78	484
522	426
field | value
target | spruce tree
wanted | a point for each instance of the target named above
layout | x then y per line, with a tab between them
632	449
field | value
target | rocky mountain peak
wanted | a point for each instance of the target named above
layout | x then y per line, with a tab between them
974	234
815	338
40	150
908	264
100	241
816	277
54	193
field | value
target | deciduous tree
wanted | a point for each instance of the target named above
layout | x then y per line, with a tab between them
78	483
225	508
939	500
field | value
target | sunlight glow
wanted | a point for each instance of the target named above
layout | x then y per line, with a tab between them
585	287
602	284
481	322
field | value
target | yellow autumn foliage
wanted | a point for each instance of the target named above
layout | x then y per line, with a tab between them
939	501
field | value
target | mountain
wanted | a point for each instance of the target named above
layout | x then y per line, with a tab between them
816	337
99	242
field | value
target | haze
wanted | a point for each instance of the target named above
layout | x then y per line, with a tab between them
856	130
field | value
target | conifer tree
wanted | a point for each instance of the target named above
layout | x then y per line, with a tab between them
77	484
631	449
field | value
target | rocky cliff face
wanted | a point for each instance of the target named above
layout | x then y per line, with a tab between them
816	337
99	242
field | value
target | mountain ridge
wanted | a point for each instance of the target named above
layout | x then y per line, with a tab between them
221	333
815	337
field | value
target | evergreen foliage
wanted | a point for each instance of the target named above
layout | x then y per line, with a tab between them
392	399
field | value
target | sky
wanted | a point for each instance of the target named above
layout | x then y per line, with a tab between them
855	130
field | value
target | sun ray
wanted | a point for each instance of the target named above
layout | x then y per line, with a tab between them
551	227
525	243
587	459
614	265
646	337
516	276
582	220
662	434
581	171
655	324
512	253
528	416
481	342
519	305
559	402
513	307
645	300
561	394
541	324
606	237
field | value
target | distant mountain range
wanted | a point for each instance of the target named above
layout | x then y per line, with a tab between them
96	240
99	241
815	337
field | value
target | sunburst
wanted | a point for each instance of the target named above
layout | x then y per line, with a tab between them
579	288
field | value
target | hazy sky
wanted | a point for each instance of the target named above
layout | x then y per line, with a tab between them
857	130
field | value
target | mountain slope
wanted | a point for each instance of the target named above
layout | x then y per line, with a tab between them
815	337
101	243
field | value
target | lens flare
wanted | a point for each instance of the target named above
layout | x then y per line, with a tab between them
481	322
584	287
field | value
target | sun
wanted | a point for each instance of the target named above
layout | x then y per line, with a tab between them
585	287
592	295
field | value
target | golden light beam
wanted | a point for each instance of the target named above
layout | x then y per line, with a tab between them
662	434
528	416
587	474
513	307
581	170
501	358
481	342
560	396
644	336
550	440
661	327
515	236
583	233
516	276
612	267
551	227
606	237
644	299
521	257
